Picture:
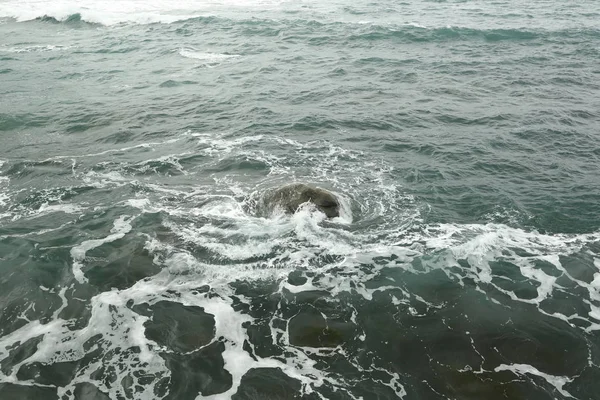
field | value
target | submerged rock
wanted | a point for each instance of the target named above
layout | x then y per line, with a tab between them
290	197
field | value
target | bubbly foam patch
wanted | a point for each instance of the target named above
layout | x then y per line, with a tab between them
482	245
4	182
65	208
521	369
208	59
4	196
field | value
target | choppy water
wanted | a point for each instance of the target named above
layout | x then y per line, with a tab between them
462	137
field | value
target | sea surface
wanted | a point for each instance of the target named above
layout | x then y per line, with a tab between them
138	136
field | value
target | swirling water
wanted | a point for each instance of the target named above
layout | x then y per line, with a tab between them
461	136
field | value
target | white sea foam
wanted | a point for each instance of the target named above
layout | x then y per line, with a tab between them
105	179
34	49
21	213
521	369
416	25
222	145
3	197
121	227
4	182
147	145
28	331
52	204
122	328
245	247
481	244
63	207
142	203
209	59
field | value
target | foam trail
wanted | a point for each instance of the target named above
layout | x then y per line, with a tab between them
33	49
121	227
4	181
521	369
209	58
65	208
229	326
110	151
29	331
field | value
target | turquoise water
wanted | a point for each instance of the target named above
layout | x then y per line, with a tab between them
461	137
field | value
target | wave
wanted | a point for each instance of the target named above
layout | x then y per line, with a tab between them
33	49
195	12
70	19
419	33
112	13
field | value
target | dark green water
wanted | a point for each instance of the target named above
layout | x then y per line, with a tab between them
462	138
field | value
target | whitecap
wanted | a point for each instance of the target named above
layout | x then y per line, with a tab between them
209	58
34	48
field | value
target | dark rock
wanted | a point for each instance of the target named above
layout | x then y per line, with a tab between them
290	197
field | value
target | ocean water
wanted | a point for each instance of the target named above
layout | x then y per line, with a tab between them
137	137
